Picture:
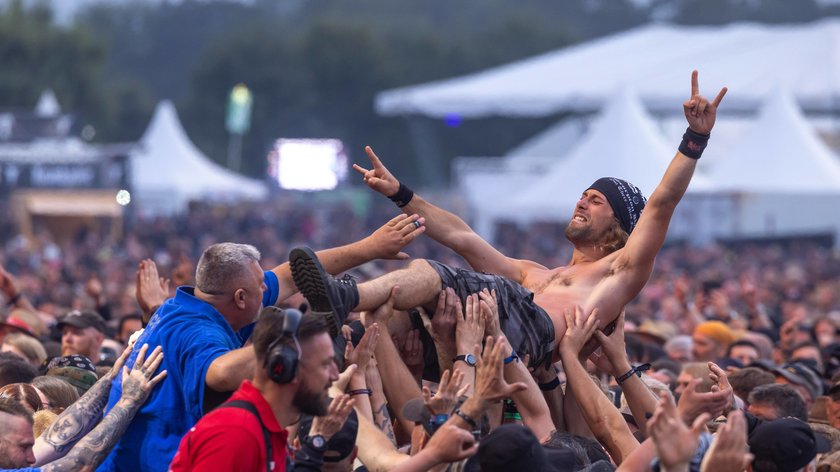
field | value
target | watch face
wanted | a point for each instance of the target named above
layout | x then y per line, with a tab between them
319	441
470	359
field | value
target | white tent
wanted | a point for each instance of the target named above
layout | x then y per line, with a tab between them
168	171
779	153
655	61
623	142
780	176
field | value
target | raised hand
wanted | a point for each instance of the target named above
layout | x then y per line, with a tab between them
337	414
490	384
447	394
693	403
383	313
389	240
151	289
579	328
699	112
442	325
614	352
362	353
116	369
378	178
95	290
470	328
451	444
490	313
675	441
728	452
138	383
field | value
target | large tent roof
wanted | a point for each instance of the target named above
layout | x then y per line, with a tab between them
168	168
623	142
655	61
779	153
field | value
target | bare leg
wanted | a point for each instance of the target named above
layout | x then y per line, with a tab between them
418	284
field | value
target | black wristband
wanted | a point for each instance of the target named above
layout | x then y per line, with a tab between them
361	391
403	196
693	144
466	418
550	385
635	370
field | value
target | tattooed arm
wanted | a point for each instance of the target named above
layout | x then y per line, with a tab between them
378	403
91	450
78	419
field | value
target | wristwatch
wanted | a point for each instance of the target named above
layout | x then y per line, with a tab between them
468	358
316	442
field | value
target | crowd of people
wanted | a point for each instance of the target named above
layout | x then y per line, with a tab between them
174	349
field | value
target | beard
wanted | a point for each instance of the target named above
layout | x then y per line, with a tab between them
311	402
580	235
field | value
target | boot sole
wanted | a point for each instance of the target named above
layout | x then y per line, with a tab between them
310	279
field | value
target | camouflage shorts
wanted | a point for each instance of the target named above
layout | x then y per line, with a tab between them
527	326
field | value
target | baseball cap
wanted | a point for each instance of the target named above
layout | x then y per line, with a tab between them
798	374
514	447
788	443
342	443
77	370
83	319
15	325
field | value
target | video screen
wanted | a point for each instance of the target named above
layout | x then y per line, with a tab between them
308	164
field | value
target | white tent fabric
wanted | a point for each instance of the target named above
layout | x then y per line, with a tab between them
623	142
654	60
47	106
168	171
780	153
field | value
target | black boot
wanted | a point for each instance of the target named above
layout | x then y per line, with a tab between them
327	296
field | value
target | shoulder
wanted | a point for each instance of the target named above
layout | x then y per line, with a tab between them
228	423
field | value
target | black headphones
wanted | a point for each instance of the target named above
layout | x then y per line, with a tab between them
281	359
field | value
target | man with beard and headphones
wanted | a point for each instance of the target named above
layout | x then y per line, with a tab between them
295	368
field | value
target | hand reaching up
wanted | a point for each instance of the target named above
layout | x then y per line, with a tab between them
699	112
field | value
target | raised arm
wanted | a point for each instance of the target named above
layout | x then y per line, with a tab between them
600	414
632	265
442	226
92	450
386	242
78	419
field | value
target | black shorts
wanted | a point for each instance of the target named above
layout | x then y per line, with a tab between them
527	326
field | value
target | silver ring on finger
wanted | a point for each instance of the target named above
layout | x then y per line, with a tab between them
417	223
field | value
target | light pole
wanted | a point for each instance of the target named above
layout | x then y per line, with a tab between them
237	123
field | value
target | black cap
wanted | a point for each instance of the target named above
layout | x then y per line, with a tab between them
341	444
799	374
514	447
83	319
788	443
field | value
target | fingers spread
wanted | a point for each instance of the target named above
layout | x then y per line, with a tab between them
719	97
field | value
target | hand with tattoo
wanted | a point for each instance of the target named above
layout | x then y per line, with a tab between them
138	383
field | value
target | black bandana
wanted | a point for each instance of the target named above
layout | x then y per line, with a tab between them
626	200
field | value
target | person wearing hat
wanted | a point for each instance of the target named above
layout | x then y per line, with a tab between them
341	447
785	445
82	333
802	379
614	243
77	370
710	341
833	405
514	447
